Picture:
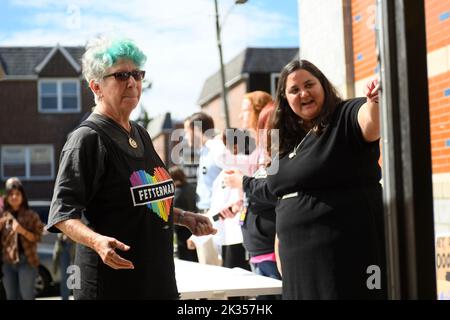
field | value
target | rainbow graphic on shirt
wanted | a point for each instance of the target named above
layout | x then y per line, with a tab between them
154	191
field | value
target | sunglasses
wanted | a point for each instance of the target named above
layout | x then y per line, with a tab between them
138	75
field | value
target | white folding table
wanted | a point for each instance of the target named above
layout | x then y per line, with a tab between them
201	281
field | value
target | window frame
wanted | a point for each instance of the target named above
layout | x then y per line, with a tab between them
59	94
28	151
273	87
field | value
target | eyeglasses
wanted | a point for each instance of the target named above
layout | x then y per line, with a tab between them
138	75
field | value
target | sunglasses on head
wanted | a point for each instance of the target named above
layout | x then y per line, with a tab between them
138	75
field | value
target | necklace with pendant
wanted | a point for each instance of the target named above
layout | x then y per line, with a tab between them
131	141
294	152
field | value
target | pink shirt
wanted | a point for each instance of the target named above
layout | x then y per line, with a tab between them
263	257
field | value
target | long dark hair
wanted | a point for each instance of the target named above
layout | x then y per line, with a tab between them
178	175
286	121
15	184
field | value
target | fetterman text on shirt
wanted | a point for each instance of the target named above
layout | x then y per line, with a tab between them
149	193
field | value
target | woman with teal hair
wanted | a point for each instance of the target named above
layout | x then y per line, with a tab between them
113	194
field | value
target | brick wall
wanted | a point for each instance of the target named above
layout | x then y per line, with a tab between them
58	66
215	110
439	95
437	14
438	38
364	54
22	124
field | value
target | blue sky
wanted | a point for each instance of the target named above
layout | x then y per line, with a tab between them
177	35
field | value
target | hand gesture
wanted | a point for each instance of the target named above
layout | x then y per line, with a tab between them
106	249
190	244
198	224
372	90
233	179
227	213
15	226
3	221
232	210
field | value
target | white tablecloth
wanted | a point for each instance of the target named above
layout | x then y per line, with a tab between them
197	281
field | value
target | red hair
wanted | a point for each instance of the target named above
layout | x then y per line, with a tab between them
258	100
264	116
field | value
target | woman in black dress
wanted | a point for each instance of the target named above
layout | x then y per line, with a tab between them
329	212
329	216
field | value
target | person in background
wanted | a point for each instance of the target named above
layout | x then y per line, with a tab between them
21	230
185	198
251	106
258	218
229	236
113	195
200	134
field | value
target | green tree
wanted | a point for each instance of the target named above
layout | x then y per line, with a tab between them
143	118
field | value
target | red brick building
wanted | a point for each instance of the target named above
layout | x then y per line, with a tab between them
345	49
253	69
438	47
42	98
437	15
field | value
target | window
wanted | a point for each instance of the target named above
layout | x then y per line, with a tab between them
274	77
61	95
34	162
13	162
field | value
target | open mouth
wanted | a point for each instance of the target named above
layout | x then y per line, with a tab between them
307	102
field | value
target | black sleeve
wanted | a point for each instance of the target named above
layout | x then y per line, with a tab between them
349	119
81	166
258	193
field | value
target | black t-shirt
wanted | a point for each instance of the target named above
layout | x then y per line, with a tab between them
82	165
339	158
123	193
331	231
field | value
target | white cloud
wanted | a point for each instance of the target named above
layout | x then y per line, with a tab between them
178	37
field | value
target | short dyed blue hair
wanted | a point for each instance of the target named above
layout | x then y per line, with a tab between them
103	53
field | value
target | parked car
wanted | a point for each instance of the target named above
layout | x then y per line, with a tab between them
47	280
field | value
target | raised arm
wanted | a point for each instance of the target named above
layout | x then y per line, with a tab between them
368	115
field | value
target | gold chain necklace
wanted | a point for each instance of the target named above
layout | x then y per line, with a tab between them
131	141
294	152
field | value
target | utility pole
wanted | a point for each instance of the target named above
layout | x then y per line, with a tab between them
222	69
